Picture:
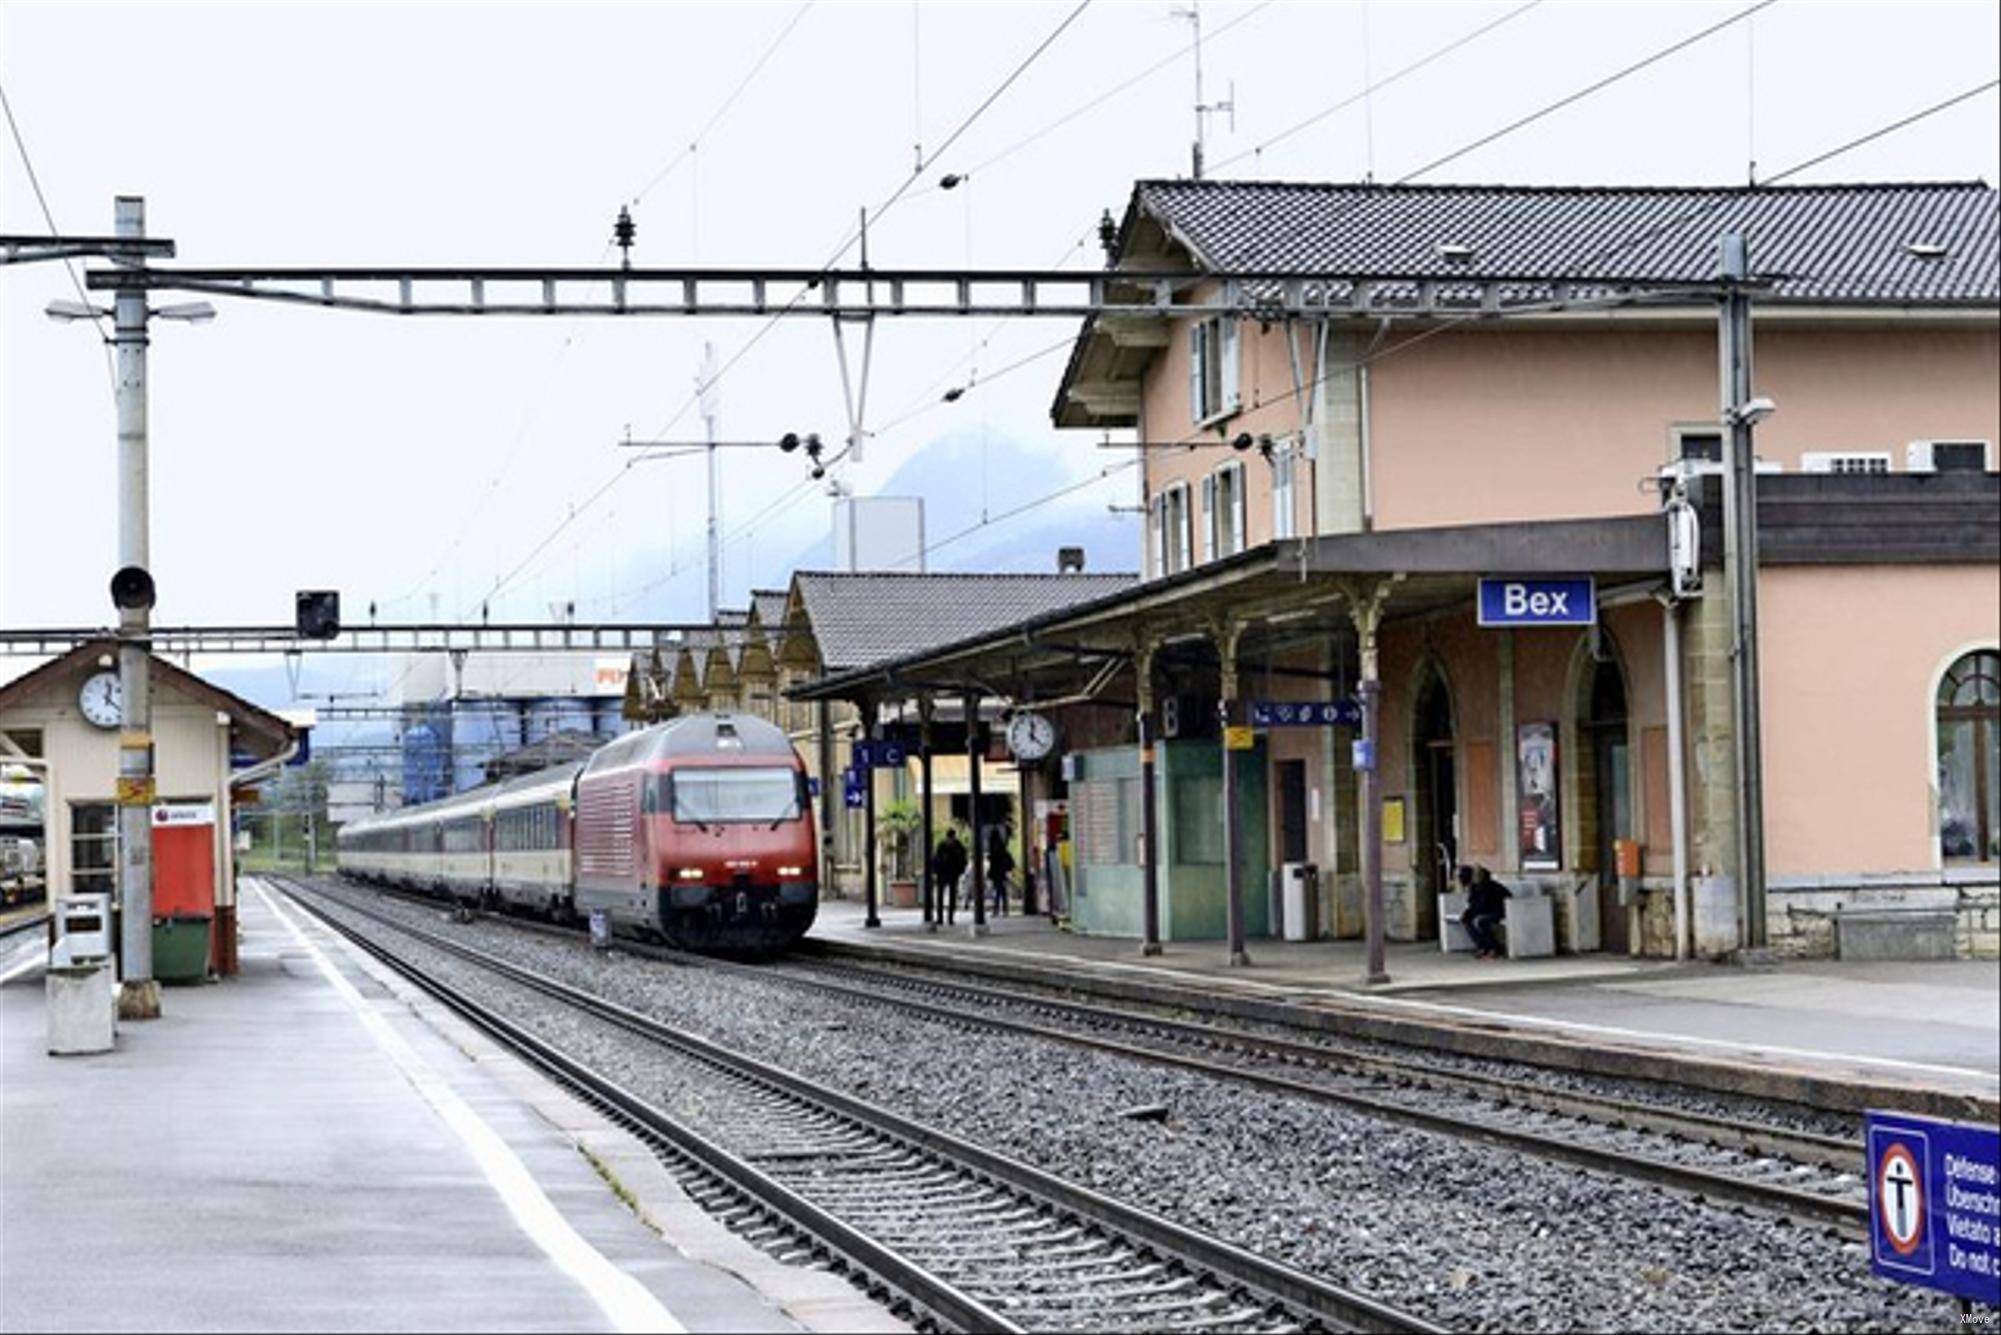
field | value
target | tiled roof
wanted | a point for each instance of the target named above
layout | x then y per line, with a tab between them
863	618
768	605
1825	243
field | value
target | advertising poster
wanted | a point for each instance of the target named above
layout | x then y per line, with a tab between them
1539	827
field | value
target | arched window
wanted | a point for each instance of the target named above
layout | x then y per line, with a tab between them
1969	759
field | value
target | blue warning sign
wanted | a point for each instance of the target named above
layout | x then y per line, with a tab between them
1935	1204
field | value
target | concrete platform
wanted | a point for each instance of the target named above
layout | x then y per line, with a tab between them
289	1152
1925	1036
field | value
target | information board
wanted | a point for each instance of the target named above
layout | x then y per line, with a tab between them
1306	714
1935	1204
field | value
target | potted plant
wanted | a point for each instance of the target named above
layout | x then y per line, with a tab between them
901	823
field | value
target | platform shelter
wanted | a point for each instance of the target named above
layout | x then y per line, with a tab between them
1188	766
63	719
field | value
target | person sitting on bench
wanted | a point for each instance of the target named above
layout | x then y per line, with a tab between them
1486	907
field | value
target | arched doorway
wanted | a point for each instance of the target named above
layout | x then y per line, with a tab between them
1969	759
1435	847
1607	809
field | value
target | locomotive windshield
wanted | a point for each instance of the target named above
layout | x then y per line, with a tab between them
721	796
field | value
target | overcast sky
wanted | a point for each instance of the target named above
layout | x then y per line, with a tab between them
397	460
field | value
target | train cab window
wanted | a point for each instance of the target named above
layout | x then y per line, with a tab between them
721	796
654	796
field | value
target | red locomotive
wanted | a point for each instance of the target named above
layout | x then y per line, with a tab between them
698	830
701	830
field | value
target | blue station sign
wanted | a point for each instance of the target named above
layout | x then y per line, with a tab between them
854	788
880	755
1306	714
1935	1204
1509	601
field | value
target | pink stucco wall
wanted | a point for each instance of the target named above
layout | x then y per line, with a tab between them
1543	422
1269	405
1851	657
1550	423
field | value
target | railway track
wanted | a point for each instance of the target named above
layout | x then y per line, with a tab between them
970	1238
1808	1178
22	925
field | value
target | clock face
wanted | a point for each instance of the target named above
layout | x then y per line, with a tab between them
102	701
1031	736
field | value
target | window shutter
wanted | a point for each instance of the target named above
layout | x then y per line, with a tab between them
1187	530
1240	538
1281	495
1209	516
1197	357
1157	521
1228	396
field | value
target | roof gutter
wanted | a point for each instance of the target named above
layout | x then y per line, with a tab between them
263	769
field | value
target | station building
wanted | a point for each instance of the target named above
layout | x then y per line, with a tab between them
61	719
1327	492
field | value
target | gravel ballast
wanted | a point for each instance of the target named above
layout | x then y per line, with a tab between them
1467	1235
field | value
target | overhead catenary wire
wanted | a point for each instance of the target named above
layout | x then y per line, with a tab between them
500	585
571	333
1879	133
994	159
1201	439
689	149
49	217
1596	86
1377	85
1710	206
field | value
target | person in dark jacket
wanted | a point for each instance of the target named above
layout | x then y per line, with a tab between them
1486	907
1000	865
948	864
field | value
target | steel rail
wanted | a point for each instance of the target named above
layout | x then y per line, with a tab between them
1806	1207
1832	1152
1272	1280
14	929
910	1281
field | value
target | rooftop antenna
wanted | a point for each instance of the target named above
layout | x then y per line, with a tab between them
1203	110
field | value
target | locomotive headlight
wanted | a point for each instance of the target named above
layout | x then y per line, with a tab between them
789	871
690	873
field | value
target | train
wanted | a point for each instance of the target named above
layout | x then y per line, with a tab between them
698	831
22	873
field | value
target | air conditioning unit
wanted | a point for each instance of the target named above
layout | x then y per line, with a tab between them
1845	461
1949	456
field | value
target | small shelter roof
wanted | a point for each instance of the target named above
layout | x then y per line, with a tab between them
254	729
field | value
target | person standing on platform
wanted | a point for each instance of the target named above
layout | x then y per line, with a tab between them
948	864
1486	908
1000	865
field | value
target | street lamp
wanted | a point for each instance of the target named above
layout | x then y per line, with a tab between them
132	593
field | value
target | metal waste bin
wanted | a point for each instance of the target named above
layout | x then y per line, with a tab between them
180	949
1301	893
82	1008
83	929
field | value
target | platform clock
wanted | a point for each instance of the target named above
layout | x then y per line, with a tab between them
102	700
1030	736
